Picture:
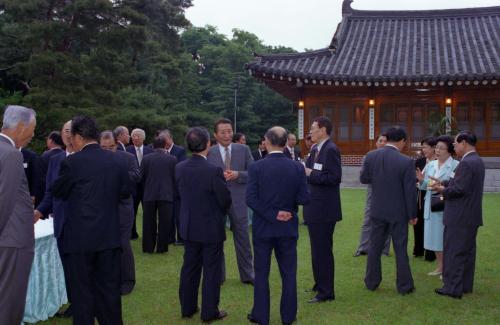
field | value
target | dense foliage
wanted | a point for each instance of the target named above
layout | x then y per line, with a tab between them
138	63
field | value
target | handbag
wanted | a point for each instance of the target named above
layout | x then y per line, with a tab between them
437	202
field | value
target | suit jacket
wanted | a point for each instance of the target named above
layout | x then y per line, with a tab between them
179	152
120	146
49	154
392	176
204	199
146	150
296	152
33	167
463	194
134	173
16	213
324	185
241	158
257	155
51	204
92	181
275	183
157	176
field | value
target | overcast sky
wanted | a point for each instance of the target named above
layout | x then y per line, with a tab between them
300	24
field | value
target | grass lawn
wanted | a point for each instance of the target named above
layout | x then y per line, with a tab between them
155	297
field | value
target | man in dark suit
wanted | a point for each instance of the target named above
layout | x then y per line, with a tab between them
391	175
92	181
179	153
107	142
17	240
324	174
57	207
205	200
234	159
158	181
276	186
139	150
122	137
33	167
55	145
290	150
261	151
463	215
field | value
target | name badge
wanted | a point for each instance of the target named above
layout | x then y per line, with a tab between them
318	166
25	165
452	175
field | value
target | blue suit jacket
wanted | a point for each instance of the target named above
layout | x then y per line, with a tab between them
275	183
179	153
50	204
204	200
324	185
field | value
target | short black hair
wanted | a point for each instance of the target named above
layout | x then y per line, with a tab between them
159	142
276	137
431	141
324	122
85	126
468	137
197	139
262	139
55	136
395	134
237	136
222	121
449	142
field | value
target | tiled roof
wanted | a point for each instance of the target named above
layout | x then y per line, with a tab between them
398	47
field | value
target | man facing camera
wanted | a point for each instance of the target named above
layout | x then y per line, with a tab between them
463	214
276	186
204	199
391	175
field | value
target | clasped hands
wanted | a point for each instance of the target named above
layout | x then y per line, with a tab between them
284	215
231	175
436	186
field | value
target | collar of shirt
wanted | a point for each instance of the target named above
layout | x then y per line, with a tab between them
222	150
139	148
8	138
198	154
88	144
68	153
276	151
290	148
391	145
468	152
320	145
170	148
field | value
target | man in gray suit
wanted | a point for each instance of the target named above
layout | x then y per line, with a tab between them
463	215
234	159
17	238
365	228
393	205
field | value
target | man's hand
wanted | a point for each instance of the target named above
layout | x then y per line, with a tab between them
413	221
284	216
437	186
231	175
37	216
308	171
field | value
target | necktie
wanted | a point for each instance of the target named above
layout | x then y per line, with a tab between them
227	159
139	155
292	153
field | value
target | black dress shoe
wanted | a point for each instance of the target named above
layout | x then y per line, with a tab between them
191	315
217	317
313	289
290	323
251	319
407	292
66	314
250	282
441	292
134	236
359	253
316	300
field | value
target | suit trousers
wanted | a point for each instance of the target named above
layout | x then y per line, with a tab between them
15	268
95	287
285	250
364	240
418	235
127	257
156	225
459	259
198	257
323	262
174	235
137	200
64	263
380	229
239	227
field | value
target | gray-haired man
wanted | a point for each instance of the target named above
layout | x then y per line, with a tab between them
16	215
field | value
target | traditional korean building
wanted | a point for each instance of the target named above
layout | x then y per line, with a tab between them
421	70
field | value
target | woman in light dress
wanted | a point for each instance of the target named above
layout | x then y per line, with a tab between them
442	168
